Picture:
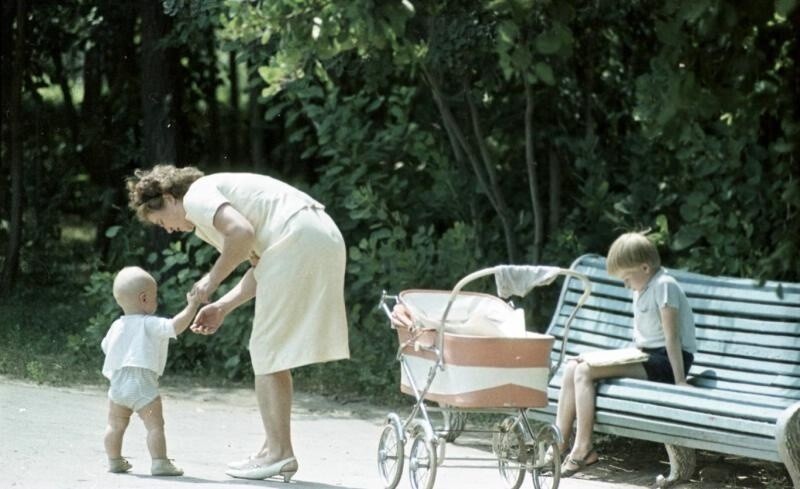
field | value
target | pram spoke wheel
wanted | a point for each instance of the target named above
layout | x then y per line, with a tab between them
508	445
454	423
546	470
391	452
422	462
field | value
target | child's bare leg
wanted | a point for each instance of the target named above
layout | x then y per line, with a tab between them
153	418
565	414
585	377
118	419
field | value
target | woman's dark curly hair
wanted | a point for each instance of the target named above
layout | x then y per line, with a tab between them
146	188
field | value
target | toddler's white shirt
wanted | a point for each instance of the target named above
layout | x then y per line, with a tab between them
137	340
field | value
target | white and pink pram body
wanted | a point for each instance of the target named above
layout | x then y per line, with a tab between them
471	351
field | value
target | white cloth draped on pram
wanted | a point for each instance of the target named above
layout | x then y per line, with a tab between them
477	314
520	279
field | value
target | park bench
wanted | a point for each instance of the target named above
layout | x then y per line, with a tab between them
745	398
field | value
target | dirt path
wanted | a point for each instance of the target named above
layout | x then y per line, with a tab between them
51	438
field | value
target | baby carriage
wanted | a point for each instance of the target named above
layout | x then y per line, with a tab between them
469	352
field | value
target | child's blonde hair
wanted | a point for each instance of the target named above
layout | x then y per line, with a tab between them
631	250
128	283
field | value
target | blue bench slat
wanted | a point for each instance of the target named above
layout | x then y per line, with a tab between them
764	354
593	316
581	342
739	388
773	313
748	364
704	333
704	438
709	374
595	265
788	313
655	413
623	316
603	303
731	295
585	332
655	397
719	401
750	293
611	330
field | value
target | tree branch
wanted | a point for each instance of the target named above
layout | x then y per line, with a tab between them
533	178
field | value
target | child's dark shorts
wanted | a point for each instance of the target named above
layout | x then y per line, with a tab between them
658	367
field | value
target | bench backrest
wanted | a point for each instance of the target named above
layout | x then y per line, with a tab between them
748	333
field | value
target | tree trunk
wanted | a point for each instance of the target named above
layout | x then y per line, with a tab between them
482	172
554	213
6	59
533	176
210	93
233	135
69	105
258	157
11	265
92	83
157	91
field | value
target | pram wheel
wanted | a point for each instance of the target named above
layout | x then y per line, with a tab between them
508	445
454	423
546	471
391	452
422	462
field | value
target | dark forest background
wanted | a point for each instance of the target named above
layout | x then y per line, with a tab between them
443	136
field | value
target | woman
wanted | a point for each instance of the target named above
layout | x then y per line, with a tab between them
297	258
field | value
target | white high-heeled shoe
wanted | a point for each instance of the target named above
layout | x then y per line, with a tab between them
243	464
285	468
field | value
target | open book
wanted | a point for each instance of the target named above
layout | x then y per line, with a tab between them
606	358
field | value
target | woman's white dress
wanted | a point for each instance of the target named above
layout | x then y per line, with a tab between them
300	314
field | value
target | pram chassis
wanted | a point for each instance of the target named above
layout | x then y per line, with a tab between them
517	446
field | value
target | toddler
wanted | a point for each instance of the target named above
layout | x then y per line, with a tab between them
135	349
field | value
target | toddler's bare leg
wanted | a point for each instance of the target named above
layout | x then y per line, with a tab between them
118	419
153	418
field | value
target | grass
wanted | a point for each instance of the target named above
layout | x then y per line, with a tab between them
35	331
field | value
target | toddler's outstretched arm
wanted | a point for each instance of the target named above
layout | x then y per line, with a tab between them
183	319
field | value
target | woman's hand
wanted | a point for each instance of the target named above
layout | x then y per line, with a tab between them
208	320
204	289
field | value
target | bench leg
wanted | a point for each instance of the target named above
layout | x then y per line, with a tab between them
787	435
682	462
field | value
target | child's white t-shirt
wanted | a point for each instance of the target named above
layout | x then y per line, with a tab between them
661	291
137	340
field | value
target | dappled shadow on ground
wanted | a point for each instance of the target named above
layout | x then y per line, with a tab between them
639	463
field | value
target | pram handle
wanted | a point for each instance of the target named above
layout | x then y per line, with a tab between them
382	304
587	290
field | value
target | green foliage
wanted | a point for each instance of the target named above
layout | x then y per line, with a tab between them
679	116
